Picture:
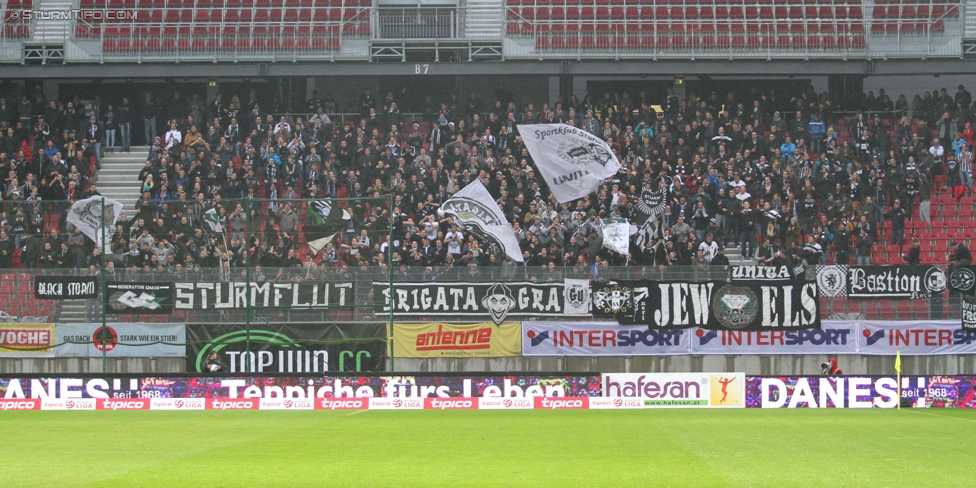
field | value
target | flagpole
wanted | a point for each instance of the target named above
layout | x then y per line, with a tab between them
898	371
104	298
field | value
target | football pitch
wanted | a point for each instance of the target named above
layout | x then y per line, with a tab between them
490	448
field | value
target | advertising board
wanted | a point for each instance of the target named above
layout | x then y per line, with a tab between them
675	390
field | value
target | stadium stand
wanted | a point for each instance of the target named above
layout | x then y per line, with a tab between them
816	176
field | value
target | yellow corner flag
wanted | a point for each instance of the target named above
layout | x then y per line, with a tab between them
898	370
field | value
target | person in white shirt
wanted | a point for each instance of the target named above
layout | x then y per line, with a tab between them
282	125
743	195
708	247
174	137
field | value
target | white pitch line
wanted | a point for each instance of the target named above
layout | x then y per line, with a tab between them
358	411
941	416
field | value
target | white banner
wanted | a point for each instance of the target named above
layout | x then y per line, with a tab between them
572	161
835	337
86	215
577	296
601	339
915	338
477	211
616	236
121	340
674	390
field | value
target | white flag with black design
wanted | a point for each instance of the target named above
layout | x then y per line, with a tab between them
478	212
616	235
329	220
650	208
572	160
577	296
832	280
213	220
96	217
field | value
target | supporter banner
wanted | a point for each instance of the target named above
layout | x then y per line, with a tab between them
832	280
239	295
601	339
139	298
65	287
26	340
860	391
287	348
664	390
577	296
476	300
915	338
834	337
962	279
614	299
572	161
750	273
649	212
894	282
476	210
438	340
336	391
725	306
969	314
121	340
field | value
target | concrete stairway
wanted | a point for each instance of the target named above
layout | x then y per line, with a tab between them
52	31
119	177
483	19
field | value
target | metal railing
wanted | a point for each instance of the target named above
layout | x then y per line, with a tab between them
418	23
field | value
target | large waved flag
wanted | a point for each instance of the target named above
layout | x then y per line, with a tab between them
616	235
213	220
572	160
96	216
474	208
650	214
329	221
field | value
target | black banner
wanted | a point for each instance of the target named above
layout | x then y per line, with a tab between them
65	287
240	295
962	279
968	313
139	298
726	306
474	300
894	282
613	299
286	348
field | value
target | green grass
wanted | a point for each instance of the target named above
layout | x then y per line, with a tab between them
808	448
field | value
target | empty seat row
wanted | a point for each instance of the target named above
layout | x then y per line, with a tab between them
915	11
335	14
224	30
907	26
679	2
827	27
272	43
143	4
685	12
699	42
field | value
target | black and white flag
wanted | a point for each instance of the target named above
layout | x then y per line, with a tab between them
572	160
474	208
329	220
96	217
616	235
650	214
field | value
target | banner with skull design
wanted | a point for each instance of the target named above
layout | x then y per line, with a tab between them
472	301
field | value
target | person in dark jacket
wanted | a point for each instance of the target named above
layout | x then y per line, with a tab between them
913	256
960	256
720	259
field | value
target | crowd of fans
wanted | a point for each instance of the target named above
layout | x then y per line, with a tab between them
780	175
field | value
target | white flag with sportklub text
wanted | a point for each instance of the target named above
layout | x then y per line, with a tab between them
96	217
572	161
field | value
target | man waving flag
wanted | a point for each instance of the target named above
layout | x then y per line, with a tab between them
572	160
